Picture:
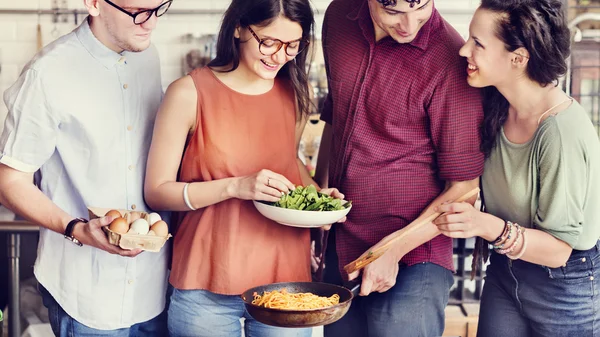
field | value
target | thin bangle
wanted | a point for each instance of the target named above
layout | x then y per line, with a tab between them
186	197
523	248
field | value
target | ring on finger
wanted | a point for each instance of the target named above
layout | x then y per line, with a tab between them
269	182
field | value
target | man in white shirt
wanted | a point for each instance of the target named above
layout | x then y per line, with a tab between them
80	122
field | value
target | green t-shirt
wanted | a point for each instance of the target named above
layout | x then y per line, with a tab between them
552	182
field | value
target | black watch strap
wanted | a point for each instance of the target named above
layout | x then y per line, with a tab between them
69	230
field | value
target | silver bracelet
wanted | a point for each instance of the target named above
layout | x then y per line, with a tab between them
186	197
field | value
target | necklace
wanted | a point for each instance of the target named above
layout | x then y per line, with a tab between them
552	108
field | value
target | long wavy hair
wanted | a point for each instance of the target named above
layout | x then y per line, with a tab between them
538	26
243	13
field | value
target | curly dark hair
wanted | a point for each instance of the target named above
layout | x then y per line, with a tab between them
392	3
538	26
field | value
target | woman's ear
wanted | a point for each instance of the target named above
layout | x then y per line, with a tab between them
236	33
520	57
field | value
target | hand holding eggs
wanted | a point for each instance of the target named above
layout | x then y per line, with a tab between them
137	223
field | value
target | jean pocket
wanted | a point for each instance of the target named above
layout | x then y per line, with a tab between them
577	269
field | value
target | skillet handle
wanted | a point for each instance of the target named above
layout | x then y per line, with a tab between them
354	286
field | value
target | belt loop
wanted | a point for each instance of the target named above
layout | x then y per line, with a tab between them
598	245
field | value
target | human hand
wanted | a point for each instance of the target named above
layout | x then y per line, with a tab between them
91	234
379	275
334	192
264	185
462	220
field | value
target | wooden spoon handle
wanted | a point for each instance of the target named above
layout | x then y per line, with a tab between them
374	254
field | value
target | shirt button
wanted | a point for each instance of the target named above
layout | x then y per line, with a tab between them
130	281
131	167
129	128
133	206
583	260
591	278
125	86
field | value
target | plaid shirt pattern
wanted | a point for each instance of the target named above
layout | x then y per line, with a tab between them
404	122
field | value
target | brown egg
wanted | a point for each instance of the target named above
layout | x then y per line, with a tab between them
160	228
132	216
119	225
114	213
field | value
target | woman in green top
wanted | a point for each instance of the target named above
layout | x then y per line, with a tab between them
541	182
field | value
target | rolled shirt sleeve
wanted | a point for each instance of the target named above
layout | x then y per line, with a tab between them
30	130
455	116
563	184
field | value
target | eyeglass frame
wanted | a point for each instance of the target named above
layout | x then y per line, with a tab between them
134	15
281	44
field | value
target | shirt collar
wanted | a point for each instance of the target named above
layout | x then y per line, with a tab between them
97	49
363	16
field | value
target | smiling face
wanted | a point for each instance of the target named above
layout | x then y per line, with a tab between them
118	30
489	63
267	66
401	22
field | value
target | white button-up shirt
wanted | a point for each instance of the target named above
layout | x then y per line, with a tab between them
81	116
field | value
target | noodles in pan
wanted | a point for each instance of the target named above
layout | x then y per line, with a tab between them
281	299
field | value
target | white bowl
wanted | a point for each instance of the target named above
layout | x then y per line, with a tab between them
297	218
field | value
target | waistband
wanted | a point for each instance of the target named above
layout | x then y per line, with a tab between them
596	248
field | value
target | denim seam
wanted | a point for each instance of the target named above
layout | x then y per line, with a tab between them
510	268
424	278
593	295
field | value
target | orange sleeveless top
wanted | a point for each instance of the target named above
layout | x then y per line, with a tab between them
229	247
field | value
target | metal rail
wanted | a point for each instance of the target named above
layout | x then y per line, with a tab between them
15	229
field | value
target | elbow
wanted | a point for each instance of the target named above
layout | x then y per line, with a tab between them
561	257
151	198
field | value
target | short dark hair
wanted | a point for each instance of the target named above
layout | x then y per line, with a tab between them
392	3
243	13
540	27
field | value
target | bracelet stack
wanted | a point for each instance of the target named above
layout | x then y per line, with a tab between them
504	246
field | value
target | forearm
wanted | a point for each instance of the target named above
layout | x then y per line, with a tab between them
542	248
428	231
168	196
26	200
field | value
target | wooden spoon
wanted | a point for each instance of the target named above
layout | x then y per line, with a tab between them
374	254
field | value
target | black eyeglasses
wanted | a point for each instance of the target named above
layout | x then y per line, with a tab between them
270	47
143	16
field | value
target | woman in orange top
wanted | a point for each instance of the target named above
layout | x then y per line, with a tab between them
227	134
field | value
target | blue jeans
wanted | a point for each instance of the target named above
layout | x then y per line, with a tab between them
201	313
64	325
414	307
526	300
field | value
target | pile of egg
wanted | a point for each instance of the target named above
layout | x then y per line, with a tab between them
137	223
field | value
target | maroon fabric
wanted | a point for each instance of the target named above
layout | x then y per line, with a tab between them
404	121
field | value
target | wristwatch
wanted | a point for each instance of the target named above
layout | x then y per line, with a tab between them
69	230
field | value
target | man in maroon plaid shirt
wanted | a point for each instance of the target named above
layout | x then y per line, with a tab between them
402	136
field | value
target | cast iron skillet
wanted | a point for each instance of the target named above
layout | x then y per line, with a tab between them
301	318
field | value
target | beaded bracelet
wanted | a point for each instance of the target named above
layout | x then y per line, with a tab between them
515	243
523	248
501	241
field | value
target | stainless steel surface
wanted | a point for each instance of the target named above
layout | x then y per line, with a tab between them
14	318
18	227
15	229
